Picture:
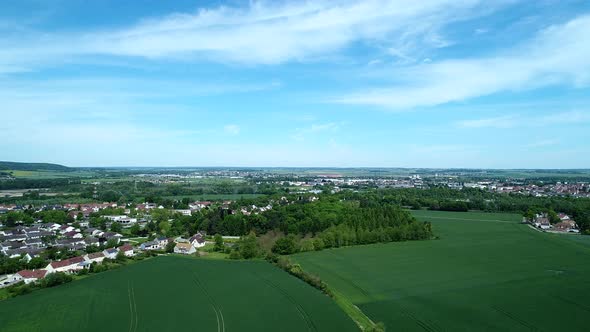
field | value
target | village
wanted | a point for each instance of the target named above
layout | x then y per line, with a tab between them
85	244
553	222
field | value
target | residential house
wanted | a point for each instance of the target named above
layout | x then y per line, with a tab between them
95	257
15	237
65	229
34	243
96	232
26	253
31	231
91	241
73	235
125	220
197	240
184	212
127	249
29	276
111	253
184	248
150	245
106	236
8	245
567	225
199	205
7	232
67	265
180	239
162	241
77	247
542	221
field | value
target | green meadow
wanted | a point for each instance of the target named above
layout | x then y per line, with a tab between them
178	294
486	272
214	197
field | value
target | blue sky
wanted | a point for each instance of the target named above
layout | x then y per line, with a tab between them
399	83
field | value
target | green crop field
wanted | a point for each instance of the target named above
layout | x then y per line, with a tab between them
213	197
42	175
486	272
178	294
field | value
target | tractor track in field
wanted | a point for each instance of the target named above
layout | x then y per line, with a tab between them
424	325
304	315
516	319
214	305
566	300
135	308
133	321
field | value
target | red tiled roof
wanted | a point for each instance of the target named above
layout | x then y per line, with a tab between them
28	274
66	262
95	255
126	247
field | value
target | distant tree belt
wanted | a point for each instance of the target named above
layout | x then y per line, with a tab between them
35	184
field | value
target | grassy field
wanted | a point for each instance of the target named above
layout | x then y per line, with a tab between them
178	294
213	197
487	272
38	175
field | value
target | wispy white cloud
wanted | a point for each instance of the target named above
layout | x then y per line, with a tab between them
231	129
558	55
302	133
516	120
481	31
260	32
496	122
570	117
542	143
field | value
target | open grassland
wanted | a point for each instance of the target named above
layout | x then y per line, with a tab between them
486	272
178	294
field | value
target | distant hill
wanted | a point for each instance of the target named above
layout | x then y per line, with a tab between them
8	165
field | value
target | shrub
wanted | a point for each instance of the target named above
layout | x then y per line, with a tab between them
285	246
235	255
55	279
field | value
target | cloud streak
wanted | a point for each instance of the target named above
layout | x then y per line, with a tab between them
302	133
261	32
513	121
558	55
